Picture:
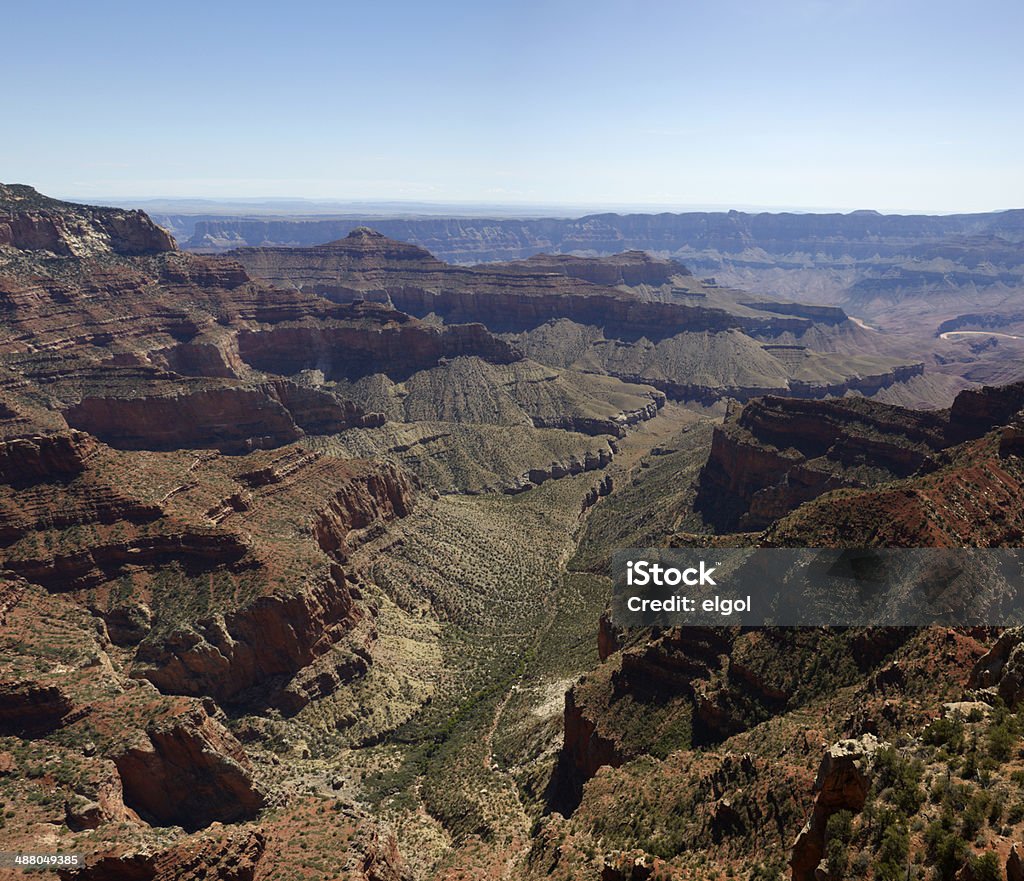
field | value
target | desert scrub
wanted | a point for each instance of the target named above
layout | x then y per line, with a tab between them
898	781
838	834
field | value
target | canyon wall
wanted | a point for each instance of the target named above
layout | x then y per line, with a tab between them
858	235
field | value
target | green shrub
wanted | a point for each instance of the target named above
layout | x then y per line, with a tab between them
900	780
973	817
946	850
892	855
766	872
946	733
986	867
1002	737
838	832
1016	813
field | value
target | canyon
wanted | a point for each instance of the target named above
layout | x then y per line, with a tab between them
916	275
304	546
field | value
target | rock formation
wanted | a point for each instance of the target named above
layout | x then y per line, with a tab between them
32	222
188	772
505	297
774	454
844	778
314	568
235	859
1001	669
231	419
638	318
29	708
464	240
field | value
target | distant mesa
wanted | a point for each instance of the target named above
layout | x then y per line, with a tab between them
640	318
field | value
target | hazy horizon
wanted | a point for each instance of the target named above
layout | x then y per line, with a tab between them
803	105
285	206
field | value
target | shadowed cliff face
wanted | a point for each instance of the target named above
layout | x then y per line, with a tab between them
189	772
774	454
350	352
232	419
771	456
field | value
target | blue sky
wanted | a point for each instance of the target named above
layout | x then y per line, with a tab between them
886	104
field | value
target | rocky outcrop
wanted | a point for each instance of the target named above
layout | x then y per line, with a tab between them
609	637
666	672
51	485
252	654
188	771
1001	669
98	798
844	778
674	657
360	504
281	468
319	412
977	411
777	453
229	419
351	350
866	385
29	708
507	305
820	314
232	420
743	481
591	460
359	266
197	358
232	857
195	549
1011	441
615	426
128	623
597	492
32	222
260	646
967	495
382	860
1014	864
28	460
584	747
628	867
